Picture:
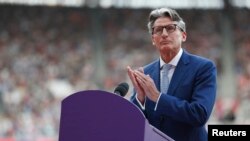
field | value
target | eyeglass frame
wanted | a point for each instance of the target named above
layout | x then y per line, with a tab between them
165	27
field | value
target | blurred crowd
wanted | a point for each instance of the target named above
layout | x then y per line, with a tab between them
48	53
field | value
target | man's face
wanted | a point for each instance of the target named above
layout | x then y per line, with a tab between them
167	36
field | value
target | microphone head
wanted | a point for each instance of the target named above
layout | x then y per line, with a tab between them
122	89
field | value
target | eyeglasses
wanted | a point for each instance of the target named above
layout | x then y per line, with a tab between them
158	30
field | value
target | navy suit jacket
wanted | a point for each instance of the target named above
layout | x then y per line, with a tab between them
183	111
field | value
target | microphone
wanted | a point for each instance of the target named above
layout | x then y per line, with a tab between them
122	89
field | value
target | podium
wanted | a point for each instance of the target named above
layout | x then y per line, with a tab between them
96	115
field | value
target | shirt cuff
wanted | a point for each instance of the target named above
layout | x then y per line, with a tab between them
142	105
157	102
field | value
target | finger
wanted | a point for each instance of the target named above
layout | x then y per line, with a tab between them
131	74
146	81
129	70
141	70
133	77
140	79
137	72
141	75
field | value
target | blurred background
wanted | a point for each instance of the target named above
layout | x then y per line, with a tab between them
50	49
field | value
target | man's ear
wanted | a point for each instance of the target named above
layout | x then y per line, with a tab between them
184	36
152	39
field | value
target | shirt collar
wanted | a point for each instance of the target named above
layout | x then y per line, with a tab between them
174	61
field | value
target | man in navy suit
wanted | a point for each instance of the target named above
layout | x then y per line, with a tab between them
183	110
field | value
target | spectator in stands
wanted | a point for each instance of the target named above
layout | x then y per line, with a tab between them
240	109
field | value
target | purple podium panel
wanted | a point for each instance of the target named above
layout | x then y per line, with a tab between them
102	116
153	134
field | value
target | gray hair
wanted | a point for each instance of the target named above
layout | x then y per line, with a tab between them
165	12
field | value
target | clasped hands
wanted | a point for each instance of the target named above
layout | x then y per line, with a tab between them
144	85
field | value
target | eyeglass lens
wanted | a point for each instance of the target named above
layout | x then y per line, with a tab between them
159	29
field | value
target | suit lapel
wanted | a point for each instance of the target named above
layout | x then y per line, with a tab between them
154	71
155	74
179	73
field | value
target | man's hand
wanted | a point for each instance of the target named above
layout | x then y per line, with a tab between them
147	84
138	88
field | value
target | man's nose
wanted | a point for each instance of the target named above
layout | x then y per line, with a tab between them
164	32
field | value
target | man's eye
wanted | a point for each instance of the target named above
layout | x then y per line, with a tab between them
158	30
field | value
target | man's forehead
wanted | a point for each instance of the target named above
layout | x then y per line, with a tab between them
163	21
